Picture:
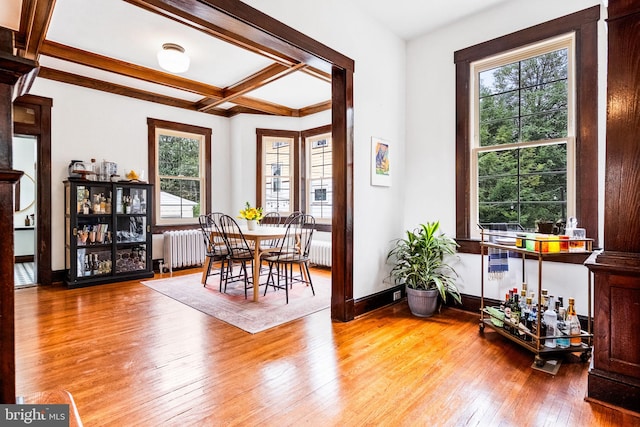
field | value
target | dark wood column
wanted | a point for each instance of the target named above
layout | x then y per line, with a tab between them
12	79
614	377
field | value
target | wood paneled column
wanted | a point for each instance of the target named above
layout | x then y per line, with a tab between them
13	71
614	377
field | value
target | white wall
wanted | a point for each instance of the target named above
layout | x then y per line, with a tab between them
379	98
393	82
430	156
89	124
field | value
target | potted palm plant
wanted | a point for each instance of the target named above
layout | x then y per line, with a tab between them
419	262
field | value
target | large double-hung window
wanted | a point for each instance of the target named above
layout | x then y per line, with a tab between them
278	168
527	128
179	167
523	144
319	182
294	172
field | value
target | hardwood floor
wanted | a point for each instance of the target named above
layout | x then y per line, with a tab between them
132	356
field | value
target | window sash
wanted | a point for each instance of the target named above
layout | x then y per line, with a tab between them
566	41
319	169
278	154
180	211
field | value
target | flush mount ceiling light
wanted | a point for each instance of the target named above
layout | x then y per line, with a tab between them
173	59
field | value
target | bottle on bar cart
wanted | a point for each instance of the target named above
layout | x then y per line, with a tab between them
550	321
574	324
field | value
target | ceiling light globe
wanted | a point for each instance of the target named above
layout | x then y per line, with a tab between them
173	58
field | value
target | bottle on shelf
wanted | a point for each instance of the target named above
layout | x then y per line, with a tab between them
506	308
95	169
96	203
550	322
530	319
574	324
86	207
515	313
95	264
523	300
534	303
562	330
87	266
135	204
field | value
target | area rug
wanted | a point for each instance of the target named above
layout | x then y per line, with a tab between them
231	307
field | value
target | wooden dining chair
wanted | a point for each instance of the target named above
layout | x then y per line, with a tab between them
240	252
291	216
294	250
215	247
271	219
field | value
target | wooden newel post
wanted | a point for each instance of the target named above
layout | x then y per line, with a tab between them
14	72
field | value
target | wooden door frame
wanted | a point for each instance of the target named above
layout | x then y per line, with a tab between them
42	131
236	21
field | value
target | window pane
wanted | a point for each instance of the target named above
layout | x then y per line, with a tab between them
179	198
320	160
320	197
525	100
541	126
545	68
523	185
319	172
500	79
277	180
178	156
277	194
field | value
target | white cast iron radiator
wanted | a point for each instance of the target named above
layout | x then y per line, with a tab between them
183	248
320	253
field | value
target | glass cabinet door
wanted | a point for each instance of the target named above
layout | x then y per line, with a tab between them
131	258
131	229
131	200
92	230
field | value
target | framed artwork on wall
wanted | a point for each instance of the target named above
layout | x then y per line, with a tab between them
380	164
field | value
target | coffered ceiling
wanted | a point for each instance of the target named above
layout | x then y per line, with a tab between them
111	45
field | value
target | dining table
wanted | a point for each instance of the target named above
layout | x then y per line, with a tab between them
257	235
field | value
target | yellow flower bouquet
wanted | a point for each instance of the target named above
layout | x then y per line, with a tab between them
251	214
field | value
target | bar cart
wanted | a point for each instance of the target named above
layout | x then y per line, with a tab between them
541	248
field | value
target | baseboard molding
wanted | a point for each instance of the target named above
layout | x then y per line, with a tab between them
369	303
58	276
378	300
614	389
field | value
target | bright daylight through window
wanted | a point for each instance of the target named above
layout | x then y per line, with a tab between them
278	170
179	176
319	184
522	153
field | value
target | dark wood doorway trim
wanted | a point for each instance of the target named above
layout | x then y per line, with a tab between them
41	129
238	21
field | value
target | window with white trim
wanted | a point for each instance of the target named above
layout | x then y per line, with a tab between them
319	176
522	153
278	170
180	178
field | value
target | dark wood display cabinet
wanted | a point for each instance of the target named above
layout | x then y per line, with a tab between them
107	231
